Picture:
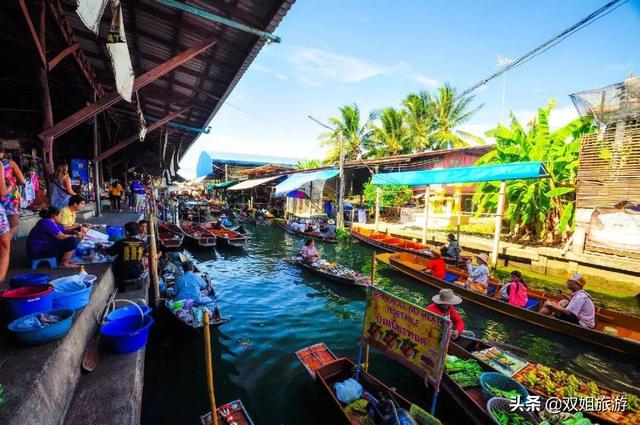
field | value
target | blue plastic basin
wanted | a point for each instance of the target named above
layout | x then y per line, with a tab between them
28	279
129	310
46	333
74	299
127	334
26	300
115	233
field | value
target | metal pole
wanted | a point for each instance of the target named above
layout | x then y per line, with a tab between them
498	229
378	193
207	355
427	193
96	165
340	218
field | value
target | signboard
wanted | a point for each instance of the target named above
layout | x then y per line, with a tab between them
409	334
80	171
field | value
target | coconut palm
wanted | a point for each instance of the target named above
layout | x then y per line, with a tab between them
537	209
308	164
390	137
449	112
348	127
420	119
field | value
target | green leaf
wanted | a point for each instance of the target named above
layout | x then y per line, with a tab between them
559	191
565	218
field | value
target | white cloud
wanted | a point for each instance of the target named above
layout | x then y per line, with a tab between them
317	67
267	70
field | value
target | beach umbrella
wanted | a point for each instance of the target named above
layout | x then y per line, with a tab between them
297	194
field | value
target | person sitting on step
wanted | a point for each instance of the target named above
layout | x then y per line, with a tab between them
50	239
130	251
68	215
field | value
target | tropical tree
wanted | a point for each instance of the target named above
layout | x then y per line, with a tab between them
392	196
449	112
420	119
349	131
390	137
541	209
307	164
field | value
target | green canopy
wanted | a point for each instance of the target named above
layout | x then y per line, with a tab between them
473	174
222	185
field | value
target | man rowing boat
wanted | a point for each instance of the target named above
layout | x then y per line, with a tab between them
578	308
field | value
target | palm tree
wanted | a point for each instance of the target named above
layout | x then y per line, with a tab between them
308	164
353	132
449	112
420	119
391	137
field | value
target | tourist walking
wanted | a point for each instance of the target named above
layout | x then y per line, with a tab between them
11	200
115	195
5	235
138	191
60	188
577	308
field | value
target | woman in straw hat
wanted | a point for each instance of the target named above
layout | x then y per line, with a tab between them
478	279
443	305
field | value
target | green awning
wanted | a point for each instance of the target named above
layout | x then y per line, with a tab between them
222	185
473	174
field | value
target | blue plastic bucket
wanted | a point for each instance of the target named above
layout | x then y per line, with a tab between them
73	299
82	251
26	300
28	279
46	333
127	334
129	310
115	233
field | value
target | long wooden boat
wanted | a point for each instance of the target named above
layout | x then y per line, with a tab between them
475	349
170	235
226	237
614	330
233	412
198	235
335	273
390	243
309	235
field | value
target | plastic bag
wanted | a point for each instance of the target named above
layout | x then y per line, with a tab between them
27	323
348	391
68	284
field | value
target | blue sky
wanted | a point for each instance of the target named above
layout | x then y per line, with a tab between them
375	52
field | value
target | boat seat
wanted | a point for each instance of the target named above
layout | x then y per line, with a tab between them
491	289
532	304
450	277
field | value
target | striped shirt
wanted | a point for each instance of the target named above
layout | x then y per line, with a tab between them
478	274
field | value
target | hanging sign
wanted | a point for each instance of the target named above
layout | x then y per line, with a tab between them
411	335
80	171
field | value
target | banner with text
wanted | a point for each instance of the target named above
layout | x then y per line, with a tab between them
416	338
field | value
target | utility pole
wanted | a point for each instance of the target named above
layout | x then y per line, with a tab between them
340	215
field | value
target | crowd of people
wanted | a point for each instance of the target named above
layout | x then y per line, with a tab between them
320	227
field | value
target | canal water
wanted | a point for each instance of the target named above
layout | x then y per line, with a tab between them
277	309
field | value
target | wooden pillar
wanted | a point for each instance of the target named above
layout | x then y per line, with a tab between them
498	229
47	110
427	194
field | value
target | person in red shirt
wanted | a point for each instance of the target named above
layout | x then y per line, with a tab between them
436	266
443	305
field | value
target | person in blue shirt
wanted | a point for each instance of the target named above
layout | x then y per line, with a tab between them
189	285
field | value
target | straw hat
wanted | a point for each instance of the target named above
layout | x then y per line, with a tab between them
483	257
446	296
331	221
577	278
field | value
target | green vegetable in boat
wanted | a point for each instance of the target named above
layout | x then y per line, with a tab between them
509	418
503	393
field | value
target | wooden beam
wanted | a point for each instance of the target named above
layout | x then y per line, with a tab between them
111	99
133	138
63	54
34	33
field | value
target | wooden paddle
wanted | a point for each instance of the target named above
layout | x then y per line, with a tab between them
91	356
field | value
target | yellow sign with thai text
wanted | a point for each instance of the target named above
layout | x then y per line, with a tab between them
407	333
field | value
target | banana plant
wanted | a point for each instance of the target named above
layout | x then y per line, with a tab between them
540	210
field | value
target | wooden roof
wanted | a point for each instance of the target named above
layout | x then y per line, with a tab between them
155	33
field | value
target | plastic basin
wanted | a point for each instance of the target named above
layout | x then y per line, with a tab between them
129	310
115	233
46	333
28	279
127	334
26	300
73	299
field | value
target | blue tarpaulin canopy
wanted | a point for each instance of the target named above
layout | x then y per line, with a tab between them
474	174
294	181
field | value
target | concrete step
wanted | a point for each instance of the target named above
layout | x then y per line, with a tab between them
111	394
39	382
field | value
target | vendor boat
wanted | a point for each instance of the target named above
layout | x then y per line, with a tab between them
389	243
614	330
334	272
314	357
319	236
226	237
534	377
234	410
198	235
170	235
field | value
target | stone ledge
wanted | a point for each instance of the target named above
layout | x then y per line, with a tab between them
40	381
